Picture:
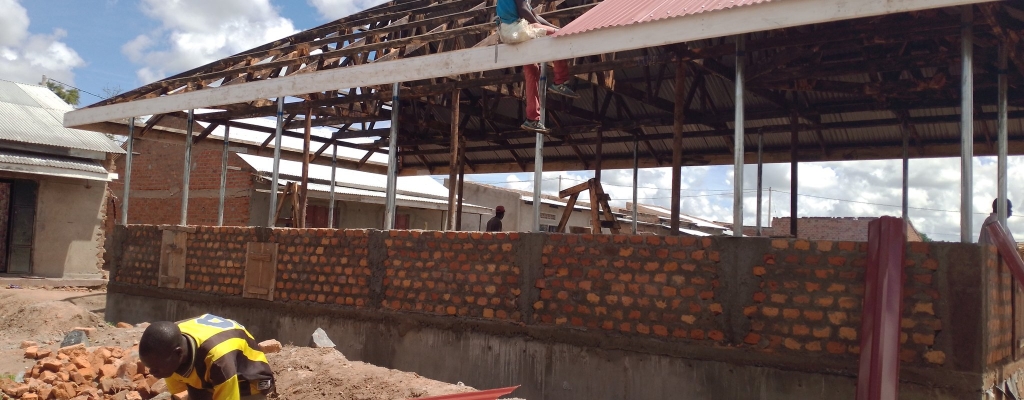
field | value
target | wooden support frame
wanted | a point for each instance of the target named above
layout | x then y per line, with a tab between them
599	207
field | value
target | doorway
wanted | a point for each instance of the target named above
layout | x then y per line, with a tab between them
17	225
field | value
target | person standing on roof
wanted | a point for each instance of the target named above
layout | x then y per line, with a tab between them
494	224
518	23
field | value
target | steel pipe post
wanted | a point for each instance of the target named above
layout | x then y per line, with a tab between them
760	181
967	127
272	218
334	170
636	179
1003	135
738	151
188	167
391	203
223	177
538	161
128	171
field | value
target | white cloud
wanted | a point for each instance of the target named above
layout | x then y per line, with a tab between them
337	9
196	32
26	57
839	189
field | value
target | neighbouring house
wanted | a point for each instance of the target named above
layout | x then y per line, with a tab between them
422	202
850	229
53	187
659	220
158	168
651	220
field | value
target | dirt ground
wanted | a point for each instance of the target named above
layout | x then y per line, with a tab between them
46	315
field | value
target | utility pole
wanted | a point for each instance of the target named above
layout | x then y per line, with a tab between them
769	207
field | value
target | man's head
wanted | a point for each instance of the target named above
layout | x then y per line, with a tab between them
1009	207
163	349
500	212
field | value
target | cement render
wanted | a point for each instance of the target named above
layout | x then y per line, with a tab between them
546	369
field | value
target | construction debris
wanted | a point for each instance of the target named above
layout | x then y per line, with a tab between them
75	337
93	372
270	346
320	340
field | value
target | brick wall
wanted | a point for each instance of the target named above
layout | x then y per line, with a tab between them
452	273
826	228
157	171
795	298
647	285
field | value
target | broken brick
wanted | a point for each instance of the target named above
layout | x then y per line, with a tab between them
51	364
270	346
108	370
88	331
124	325
28	343
31	352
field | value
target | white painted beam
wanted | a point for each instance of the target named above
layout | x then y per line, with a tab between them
747	19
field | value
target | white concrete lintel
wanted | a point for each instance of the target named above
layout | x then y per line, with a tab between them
755	18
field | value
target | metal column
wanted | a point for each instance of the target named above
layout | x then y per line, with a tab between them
223	177
967	127
906	176
188	167
1003	135
737	196
392	190
128	170
760	180
636	179
538	160
272	218
334	170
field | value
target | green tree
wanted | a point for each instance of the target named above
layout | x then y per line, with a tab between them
925	238
69	96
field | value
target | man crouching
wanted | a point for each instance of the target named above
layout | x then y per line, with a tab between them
210	357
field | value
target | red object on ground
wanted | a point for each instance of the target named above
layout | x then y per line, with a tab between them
627	12
883	305
492	394
1007	249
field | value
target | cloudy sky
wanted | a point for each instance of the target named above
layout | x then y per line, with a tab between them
104	45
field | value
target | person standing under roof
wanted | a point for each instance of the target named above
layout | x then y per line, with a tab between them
518	23
494	224
993	218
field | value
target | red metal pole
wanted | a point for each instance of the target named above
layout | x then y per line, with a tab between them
883	304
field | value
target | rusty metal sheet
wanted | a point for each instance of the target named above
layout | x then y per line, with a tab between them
492	394
879	373
627	12
260	271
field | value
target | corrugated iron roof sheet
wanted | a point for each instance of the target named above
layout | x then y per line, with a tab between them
52	166
33	114
627	12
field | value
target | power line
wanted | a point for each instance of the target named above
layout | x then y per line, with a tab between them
876	204
80	90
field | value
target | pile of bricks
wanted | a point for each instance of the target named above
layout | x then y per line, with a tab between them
81	373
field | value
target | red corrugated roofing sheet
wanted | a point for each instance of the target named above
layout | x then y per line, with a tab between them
492	394
627	12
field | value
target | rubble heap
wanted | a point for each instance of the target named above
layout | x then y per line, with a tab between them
81	373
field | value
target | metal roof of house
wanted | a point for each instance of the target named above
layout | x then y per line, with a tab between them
37	164
421	189
627	12
35	115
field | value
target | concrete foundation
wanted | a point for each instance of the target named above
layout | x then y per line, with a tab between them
547	365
